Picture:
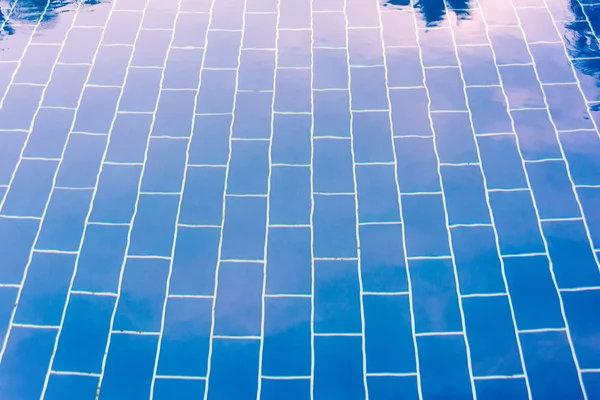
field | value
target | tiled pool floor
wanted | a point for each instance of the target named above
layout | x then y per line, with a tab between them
299	199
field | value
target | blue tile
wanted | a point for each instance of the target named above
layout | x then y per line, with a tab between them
289	261
330	29
210	143
552	189
101	258
25	362
580	309
290	195
129	367
234	369
478	65
551	64
377	193
141	90
492	339
425	226
81	162
30	188
365	47
287	342
257	68
434	291
337	297
501	162
296	16
334	226
296	389
383	266
291	141
294	49
465	195
70	387
372	137
454	138
165	166
591	382
228	16
523	238
521	86
477	261
333	170
417	165
154	225
488	110
142	295
64	222
49	134
190	29
332	113
11	145
393	387
186	337
151	48
497	389
260	30
437	48
8	297
368	89
536	307
195	261
446	89
80	46
202	202
509	45
338	372
443	367
223	49
248	168
548	358
183	69
536	135
129	138
45	290
217	91
66	85
175	114
238	306
537	25
389	348
178	389
20	105
110	66
293	90
244	228
84	334
330	67
582	152
567	107
116	194
253	115
589	198
97	110
568	245
404	67
473	29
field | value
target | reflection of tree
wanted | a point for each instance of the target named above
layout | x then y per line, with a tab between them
30	12
434	11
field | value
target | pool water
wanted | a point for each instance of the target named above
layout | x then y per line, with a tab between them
299	199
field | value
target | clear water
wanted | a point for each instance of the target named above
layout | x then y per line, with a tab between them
299	199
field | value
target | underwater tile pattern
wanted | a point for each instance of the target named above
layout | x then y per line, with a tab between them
299	199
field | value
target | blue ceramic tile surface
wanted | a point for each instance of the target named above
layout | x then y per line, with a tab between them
299	199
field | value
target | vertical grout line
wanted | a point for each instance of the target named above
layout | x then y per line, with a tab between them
399	194
224	205
183	183
356	216
267	223
446	219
